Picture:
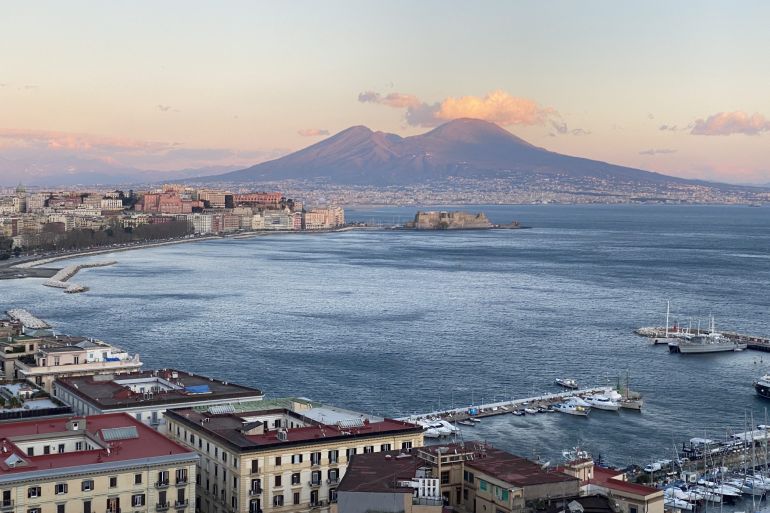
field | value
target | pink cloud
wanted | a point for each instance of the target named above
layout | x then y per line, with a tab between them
312	132
80	142
497	106
726	123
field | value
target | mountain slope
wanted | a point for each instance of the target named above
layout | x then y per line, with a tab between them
467	148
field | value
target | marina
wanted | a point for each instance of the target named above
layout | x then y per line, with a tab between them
662	336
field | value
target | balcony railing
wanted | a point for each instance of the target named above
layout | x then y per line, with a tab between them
319	504
427	501
315	463
314	483
6	505
255	491
181	482
113	510
181	504
162	506
161	484
333	481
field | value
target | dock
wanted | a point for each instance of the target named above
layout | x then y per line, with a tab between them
60	279
504	407
658	333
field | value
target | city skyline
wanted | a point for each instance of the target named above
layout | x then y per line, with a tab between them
674	89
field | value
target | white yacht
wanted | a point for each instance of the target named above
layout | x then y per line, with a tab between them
603	403
567	383
578	401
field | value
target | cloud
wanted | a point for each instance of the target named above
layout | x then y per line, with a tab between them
312	132
71	141
562	128
657	151
164	108
650	116
668	128
727	123
497	106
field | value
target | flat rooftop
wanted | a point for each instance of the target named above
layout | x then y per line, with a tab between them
115	437
250	430
147	388
607	478
380	472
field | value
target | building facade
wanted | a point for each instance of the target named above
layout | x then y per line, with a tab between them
103	464
283	458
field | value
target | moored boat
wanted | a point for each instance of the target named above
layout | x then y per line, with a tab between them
572	409
567	383
762	386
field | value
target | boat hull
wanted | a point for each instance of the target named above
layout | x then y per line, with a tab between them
705	348
762	390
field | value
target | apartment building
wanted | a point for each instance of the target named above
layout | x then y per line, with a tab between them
55	357
389	482
108	463
477	477
146	395
286	456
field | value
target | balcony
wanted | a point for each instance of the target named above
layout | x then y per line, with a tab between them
314	483
427	501
161	484
181	482
113	510
255	491
319	504
333	481
6	505
315	463
163	506
181	504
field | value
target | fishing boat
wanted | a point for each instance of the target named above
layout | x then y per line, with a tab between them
466	423
572	409
567	383
628	398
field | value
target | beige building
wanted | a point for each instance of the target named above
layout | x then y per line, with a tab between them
627	497
282	455
103	464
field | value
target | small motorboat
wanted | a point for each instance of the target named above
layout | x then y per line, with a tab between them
567	383
518	413
466	423
603	403
530	411
571	409
474	419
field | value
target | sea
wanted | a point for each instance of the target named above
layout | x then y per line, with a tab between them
397	322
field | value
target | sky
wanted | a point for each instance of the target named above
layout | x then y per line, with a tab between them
677	87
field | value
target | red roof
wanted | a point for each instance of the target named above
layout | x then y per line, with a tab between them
606	478
149	443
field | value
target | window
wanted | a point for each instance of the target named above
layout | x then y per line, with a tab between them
87	485
277	481
334	456
277	500
384	447
224	456
162	499
77	360
254	466
296	458
315	477
295	479
60	488
33	491
137	479
30	451
137	500
78	446
444	477
333	475
192	439
254	506
368	449
163	477
350	452
315	458
61	448
501	493
482	485
86	506
296	497
113	482
181	475
277	461
632	509
33	510
314	498
406	445
468	476
277	423
216	451
46	449
333	495
60	508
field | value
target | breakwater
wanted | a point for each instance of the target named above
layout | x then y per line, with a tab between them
61	278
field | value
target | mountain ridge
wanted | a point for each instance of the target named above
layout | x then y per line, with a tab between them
466	148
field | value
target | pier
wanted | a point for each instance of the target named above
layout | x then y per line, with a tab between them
60	279
503	407
755	342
